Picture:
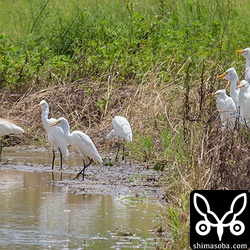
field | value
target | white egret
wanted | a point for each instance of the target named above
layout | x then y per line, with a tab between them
8	127
232	76
226	108
246	53
244	102
122	129
81	143
55	134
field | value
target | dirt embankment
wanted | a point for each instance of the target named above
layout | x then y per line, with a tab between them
90	107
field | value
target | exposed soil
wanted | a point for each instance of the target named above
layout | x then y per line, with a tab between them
89	107
121	179
118	180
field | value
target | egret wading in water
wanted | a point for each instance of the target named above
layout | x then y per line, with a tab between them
81	143
8	127
226	108
232	76
122	130
244	102
246	53
55	134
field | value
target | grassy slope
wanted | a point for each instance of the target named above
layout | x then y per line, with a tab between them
153	62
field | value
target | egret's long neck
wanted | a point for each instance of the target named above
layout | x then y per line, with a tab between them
247	62
111	135
66	130
44	116
234	81
234	93
233	84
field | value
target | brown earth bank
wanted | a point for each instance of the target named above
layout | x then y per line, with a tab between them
174	128
89	107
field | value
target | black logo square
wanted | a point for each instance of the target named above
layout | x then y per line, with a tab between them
219	219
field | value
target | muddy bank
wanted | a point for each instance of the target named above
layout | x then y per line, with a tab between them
84	113
121	179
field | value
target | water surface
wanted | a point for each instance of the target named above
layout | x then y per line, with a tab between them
36	214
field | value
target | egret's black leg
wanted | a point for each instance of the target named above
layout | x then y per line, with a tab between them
118	149
53	158
53	176
60	157
83	170
1	147
123	151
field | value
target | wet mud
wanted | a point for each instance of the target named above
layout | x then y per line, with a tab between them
123	178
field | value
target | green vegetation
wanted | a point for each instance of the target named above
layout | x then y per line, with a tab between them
93	39
153	61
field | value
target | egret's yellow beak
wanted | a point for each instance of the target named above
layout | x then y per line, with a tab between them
222	76
228	85
55	123
39	105
209	94
240	51
239	85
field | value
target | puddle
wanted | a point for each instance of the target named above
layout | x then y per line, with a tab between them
122	179
41	209
34	155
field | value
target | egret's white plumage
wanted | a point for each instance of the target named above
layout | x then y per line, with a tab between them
246	53
226	108
55	134
8	127
244	102
122	129
81	143
232	76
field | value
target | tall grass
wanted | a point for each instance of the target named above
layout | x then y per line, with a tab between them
80	39
156	60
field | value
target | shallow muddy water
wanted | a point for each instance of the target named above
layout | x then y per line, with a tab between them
38	210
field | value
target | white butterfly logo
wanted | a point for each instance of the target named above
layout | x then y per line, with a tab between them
203	227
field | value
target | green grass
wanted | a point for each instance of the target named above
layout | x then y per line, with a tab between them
170	52
94	39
